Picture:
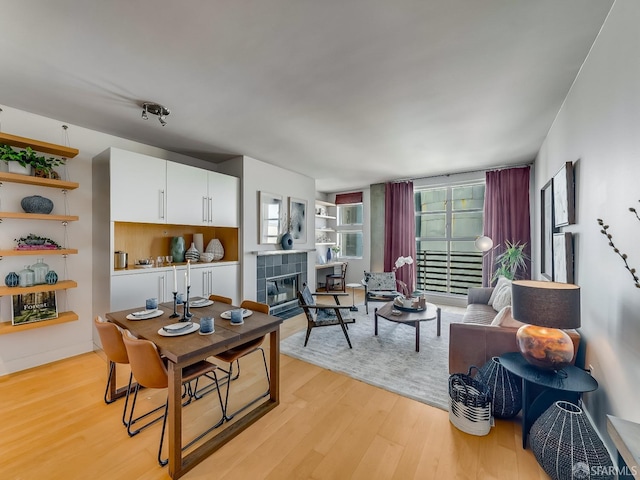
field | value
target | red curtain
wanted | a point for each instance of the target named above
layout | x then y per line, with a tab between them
506	215
400	230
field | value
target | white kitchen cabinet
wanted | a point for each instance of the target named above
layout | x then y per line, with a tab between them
224	195
225	280
138	187
187	194
131	290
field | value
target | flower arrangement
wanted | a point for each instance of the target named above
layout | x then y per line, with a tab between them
623	256
401	262
335	249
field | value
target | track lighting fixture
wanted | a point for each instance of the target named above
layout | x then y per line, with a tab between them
155	109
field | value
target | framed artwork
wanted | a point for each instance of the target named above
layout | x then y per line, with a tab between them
33	307
298	219
564	196
563	257
270	216
546	230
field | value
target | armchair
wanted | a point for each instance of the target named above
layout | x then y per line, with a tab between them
323	315
380	287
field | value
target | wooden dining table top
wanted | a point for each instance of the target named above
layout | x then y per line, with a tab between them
182	348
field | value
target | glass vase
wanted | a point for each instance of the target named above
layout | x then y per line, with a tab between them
26	277
40	270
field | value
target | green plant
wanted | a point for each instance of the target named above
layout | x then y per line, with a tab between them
28	156
33	239
335	249
511	260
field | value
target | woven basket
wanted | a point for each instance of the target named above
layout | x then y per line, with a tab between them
215	247
567	446
469	404
505	387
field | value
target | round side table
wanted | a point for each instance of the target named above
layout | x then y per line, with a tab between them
353	287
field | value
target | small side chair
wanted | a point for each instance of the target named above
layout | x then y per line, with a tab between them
323	315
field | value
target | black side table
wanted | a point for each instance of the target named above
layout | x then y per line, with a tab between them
541	388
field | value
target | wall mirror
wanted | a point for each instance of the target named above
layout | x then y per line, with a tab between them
270	217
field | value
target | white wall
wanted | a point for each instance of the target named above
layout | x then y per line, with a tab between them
34	347
598	128
258	176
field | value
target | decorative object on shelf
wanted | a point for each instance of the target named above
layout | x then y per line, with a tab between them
604	230
26	277
298	219
40	270
329	256
215	247
510	261
51	278
12	279
286	241
335	249
469	403
546	307
192	253
36	242
36	204
198	239
177	249
34	307
206	257
21	161
505	388
567	446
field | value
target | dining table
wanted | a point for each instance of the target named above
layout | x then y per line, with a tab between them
184	350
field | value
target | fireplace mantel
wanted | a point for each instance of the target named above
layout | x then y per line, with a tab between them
260	253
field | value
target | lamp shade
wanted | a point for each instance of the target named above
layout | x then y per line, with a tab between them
484	243
546	304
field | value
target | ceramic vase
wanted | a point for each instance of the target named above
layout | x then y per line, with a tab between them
329	254
177	249
215	247
199	241
192	254
51	278
36	204
286	241
12	279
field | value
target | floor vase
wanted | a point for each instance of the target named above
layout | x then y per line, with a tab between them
505	387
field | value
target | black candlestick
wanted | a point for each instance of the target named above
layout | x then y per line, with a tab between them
186	314
175	305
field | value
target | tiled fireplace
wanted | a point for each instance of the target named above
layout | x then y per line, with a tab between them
279	277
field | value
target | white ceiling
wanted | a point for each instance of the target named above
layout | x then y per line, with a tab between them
349	92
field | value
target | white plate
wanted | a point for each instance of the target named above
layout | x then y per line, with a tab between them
138	265
227	315
194	328
152	314
205	302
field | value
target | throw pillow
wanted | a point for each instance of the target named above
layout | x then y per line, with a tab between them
500	284
503	298
505	319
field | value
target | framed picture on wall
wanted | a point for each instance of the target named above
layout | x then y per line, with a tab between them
563	257
270	215
564	196
298	219
546	230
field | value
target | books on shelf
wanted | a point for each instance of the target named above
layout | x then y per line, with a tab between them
34	307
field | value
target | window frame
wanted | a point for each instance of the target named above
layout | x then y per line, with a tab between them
349	228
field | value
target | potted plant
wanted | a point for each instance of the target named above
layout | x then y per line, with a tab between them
510	261
36	242
24	161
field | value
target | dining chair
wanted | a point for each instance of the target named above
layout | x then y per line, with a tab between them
323	315
236	353
150	371
220	298
336	281
115	351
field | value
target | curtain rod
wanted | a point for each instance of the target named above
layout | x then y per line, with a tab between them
502	167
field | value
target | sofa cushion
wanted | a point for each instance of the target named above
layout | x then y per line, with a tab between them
503	297
479	313
505	319
500	284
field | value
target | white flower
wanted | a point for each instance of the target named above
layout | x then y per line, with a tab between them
402	261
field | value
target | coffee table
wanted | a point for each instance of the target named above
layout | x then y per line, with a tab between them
431	312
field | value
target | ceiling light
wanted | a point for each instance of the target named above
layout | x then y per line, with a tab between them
155	109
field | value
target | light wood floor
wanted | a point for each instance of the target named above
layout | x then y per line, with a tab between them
54	425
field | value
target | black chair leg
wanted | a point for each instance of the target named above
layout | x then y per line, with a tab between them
306	338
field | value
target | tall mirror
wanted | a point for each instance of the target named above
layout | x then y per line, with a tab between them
270	217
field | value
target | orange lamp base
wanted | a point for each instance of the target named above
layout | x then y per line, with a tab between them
548	348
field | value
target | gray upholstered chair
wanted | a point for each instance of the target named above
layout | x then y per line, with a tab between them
323	315
379	287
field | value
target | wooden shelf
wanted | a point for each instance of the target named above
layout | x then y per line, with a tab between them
18	253
63	317
61	285
325	216
39	216
39	146
42	182
327	243
325	204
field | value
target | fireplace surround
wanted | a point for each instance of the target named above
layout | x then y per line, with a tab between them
279	277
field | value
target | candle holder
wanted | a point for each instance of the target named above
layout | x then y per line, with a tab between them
186	314
175	306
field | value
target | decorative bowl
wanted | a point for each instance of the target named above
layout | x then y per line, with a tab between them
206	257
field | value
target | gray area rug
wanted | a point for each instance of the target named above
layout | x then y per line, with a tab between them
389	360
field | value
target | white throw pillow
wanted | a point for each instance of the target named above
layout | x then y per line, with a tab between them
505	319
502	282
503	298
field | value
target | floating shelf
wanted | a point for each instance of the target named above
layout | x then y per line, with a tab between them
61	285
325	216
38	145
42	182
63	317
19	253
39	216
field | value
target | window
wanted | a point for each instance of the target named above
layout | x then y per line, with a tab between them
448	220
349	230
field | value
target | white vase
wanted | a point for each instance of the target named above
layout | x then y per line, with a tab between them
192	254
199	241
216	248
15	167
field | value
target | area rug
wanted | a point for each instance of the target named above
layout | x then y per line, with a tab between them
388	361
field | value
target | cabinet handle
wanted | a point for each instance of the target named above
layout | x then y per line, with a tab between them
162	204
205	286
210	209
161	293
204	209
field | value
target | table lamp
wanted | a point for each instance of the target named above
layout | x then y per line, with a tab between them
545	308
